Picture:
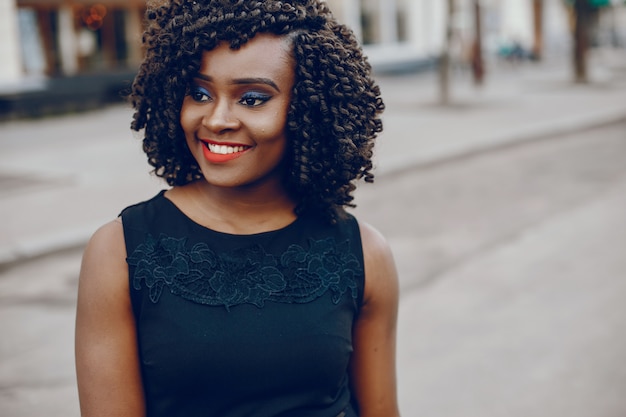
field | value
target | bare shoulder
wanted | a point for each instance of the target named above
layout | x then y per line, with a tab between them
107	366
374	243
380	269
104	259
109	237
374	338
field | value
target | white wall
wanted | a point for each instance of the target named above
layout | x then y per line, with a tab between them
556	31
427	31
68	41
517	22
425	28
10	64
425	35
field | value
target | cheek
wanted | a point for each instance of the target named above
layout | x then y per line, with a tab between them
273	126
188	118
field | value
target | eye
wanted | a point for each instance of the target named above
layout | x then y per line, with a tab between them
199	94
254	99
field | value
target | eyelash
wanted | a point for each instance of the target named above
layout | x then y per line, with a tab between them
199	95
250	99
254	97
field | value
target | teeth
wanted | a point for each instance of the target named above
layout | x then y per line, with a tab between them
224	149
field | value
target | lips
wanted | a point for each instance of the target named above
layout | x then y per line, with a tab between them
217	152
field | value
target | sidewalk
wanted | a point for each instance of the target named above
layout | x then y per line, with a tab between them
61	178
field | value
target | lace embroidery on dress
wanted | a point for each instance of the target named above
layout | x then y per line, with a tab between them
248	275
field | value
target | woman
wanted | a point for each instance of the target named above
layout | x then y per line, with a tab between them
245	289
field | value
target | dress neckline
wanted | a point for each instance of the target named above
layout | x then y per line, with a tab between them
177	209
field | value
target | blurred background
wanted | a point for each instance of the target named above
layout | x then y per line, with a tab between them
62	55
501	187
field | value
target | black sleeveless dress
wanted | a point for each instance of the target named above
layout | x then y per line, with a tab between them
243	325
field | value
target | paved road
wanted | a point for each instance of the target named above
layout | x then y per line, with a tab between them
512	265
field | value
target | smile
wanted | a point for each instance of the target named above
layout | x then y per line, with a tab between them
219	153
225	149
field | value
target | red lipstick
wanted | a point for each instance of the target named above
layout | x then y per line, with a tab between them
217	153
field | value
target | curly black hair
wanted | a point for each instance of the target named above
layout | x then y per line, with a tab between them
334	114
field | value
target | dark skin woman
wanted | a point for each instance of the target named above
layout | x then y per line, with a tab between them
245	288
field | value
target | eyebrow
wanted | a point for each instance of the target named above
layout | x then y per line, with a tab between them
244	81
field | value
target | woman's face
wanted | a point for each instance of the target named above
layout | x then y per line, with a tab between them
235	114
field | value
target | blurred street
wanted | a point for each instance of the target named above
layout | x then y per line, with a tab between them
512	268
505	212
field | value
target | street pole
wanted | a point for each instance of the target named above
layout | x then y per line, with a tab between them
582	17
444	60
478	65
537	29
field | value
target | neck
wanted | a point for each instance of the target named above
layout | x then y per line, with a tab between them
235	210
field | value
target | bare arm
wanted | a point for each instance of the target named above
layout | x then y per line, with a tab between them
107	365
373	363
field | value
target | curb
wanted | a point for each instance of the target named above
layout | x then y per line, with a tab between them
23	251
26	250
404	162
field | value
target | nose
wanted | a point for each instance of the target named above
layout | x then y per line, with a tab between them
220	117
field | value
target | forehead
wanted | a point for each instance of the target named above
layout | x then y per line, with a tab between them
263	55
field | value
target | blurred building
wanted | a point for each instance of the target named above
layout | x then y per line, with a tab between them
64	55
395	33
68	37
91	46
